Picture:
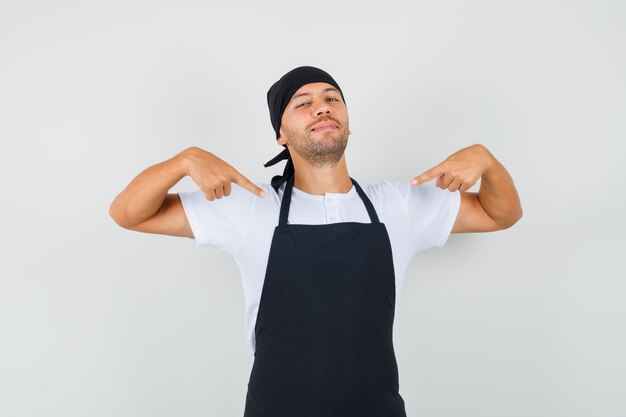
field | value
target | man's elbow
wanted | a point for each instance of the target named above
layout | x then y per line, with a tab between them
117	217
512	220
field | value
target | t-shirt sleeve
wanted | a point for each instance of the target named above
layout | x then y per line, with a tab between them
431	212
222	223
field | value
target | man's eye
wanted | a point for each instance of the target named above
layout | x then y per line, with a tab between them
306	102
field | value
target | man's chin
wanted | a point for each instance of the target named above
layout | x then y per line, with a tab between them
334	135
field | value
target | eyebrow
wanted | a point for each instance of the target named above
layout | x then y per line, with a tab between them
308	94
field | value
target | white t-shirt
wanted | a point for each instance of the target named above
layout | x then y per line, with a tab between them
242	225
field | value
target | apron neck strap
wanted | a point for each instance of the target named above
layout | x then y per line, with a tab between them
368	204
286	202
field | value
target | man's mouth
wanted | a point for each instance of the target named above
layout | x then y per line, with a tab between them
324	126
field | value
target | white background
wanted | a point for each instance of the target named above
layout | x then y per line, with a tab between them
96	320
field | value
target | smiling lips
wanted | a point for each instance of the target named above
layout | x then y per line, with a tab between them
324	126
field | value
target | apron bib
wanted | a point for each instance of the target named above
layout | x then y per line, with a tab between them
324	327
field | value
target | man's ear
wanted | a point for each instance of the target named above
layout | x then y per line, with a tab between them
281	139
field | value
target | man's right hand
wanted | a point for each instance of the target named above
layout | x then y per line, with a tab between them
145	205
214	176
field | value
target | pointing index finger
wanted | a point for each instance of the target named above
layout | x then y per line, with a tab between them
428	175
240	179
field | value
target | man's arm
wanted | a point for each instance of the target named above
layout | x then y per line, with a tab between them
496	206
145	205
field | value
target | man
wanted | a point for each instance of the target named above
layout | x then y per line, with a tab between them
322	259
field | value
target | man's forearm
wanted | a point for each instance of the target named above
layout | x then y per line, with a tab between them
143	197
498	195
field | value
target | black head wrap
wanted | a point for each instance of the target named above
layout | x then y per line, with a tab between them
278	96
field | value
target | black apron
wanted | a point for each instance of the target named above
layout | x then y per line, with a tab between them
324	327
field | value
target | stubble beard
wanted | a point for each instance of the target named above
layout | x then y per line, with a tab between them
321	148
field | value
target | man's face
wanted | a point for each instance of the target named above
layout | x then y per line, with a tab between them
315	124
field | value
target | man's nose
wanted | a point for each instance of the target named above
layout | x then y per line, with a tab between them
323	109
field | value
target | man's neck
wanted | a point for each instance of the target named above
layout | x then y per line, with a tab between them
319	180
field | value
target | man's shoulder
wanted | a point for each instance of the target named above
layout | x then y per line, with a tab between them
386	187
387	194
402	187
405	193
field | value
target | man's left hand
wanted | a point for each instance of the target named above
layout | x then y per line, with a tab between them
459	171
